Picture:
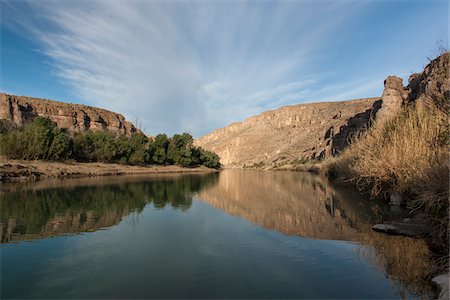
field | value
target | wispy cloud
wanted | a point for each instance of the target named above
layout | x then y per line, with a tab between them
191	66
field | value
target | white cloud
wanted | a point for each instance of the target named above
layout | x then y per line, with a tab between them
187	66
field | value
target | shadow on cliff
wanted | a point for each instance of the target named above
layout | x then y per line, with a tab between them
354	125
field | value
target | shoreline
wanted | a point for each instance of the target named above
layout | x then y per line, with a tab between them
23	171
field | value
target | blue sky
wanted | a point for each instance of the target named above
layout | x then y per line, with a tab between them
199	65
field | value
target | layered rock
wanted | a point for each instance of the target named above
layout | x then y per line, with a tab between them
73	117
291	133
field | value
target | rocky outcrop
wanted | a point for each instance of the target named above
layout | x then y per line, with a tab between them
430	87
291	133
392	99
73	117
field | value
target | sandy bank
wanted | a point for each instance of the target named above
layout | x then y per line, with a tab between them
19	170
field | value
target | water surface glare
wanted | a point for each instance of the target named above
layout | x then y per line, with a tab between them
233	234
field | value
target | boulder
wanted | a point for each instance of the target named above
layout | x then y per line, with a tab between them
415	230
443	282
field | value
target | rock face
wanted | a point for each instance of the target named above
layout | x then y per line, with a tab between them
432	85
291	133
73	117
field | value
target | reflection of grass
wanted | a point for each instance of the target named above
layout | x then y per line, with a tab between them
300	161
405	260
259	165
32	210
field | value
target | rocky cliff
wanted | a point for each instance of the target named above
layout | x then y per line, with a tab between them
290	133
73	117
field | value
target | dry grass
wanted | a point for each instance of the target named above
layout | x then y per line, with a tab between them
407	154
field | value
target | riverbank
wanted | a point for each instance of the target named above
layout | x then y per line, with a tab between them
21	170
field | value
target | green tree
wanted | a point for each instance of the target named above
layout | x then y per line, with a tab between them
61	147
160	145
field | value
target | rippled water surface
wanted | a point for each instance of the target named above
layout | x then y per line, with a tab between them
233	234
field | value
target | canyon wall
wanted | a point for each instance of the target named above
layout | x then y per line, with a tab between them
73	117
290	133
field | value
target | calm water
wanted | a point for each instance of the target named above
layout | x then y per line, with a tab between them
235	234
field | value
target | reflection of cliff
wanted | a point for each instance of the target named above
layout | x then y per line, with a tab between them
293	203
70	222
37	213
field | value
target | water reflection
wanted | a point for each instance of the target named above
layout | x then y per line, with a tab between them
308	205
293	203
297	204
33	211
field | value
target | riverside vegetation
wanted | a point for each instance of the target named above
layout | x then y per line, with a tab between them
407	156
42	139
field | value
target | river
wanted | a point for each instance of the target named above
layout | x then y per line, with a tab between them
233	234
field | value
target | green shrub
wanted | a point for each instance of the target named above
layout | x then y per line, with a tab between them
41	139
